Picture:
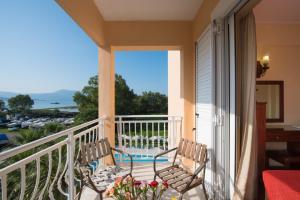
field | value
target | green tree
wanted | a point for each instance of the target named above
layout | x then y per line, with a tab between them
30	135
127	102
87	101
25	137
125	97
152	103
2	105
20	104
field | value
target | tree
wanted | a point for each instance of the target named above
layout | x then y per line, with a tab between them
2	105
20	104
124	97
30	135
25	137
127	102
87	101
152	103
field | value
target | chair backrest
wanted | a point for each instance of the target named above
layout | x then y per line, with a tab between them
94	151
192	150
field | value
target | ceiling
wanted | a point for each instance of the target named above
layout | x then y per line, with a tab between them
148	10
278	11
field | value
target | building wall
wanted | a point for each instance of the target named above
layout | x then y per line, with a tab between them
167	35
282	43
175	101
161	36
203	17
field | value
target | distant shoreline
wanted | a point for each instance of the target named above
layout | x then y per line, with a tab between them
63	99
67	109
53	108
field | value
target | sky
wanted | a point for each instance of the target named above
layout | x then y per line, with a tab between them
143	70
43	50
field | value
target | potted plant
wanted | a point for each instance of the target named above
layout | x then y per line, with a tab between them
130	189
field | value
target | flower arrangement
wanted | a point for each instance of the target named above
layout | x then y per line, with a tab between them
130	189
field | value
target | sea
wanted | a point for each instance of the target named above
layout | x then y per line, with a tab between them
64	105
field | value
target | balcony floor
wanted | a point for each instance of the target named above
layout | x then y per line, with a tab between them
144	171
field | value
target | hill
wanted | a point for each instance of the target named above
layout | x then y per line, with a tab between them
46	100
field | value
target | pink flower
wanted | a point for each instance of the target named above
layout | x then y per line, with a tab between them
110	192
127	180
118	181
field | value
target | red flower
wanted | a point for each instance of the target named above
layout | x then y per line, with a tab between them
154	184
137	183
165	184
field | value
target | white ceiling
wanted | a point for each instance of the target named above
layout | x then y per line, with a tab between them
148	10
278	11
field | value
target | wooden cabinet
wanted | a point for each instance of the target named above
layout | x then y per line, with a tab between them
282	134
289	158
261	136
261	145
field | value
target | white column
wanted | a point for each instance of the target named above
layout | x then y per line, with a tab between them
175	100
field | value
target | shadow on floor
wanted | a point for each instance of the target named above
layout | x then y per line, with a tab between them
144	171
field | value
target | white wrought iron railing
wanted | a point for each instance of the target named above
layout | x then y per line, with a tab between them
44	169
146	135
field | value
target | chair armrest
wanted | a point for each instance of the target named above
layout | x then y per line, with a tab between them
165	152
125	153
198	170
161	154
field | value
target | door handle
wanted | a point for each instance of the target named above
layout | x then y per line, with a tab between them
193	129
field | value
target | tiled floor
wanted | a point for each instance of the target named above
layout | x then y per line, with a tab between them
145	172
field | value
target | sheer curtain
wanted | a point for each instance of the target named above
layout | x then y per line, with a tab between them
245	187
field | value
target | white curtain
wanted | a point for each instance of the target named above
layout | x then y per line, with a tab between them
245	187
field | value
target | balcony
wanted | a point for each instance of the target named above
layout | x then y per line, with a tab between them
45	168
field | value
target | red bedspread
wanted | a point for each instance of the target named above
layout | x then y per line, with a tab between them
282	184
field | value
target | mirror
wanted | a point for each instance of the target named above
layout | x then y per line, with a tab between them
272	93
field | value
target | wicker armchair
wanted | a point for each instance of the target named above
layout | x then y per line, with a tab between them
176	176
94	176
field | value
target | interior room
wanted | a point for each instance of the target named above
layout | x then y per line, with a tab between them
267	95
278	57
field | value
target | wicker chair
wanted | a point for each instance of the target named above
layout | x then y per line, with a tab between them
88	166
176	176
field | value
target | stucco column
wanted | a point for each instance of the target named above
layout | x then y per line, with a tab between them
106	80
175	100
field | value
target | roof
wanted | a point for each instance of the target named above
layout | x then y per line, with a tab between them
148	10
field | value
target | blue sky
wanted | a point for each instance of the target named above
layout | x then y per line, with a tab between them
143	70
43	50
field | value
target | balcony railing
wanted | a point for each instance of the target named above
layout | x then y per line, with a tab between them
45	168
146	135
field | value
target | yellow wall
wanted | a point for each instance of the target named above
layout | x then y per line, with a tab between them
282	43
203	18
161	35
106	90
